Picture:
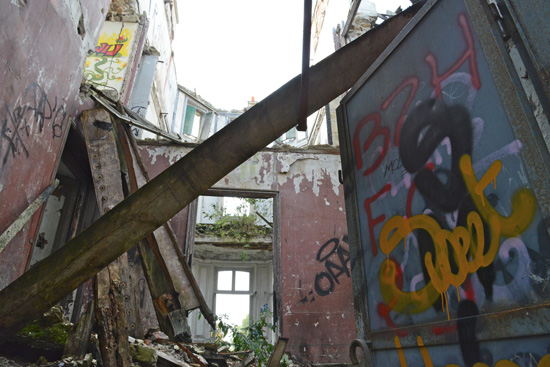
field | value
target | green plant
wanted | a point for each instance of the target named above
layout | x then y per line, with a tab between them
250	337
239	226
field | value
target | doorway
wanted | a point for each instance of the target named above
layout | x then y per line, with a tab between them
236	256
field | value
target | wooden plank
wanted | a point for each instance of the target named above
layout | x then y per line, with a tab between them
162	284
79	339
111	312
169	253
175	188
277	354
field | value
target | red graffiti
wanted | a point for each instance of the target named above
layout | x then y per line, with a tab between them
106	49
439	330
377	131
413	83
469	55
375	221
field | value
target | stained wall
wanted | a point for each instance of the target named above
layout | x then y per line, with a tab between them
314	273
44	45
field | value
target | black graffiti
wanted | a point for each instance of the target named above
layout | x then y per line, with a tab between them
326	280
28	118
466	328
425	128
393	166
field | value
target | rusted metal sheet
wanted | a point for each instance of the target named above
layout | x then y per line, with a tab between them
531	20
40	76
446	180
20	222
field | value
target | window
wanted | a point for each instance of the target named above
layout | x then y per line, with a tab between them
188	116
232	295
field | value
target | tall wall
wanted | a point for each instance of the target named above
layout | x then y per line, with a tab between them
44	45
314	274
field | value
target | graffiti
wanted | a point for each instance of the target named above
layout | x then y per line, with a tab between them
468	247
333	270
29	118
426	358
444	198
108	64
336	259
106	49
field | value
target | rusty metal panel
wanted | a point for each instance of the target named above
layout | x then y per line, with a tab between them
446	186
531	18
44	44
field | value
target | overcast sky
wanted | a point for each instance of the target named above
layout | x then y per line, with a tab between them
229	51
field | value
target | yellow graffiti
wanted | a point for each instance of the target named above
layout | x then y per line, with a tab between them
400	352
523	203
489	176
462	241
124	36
543	362
465	244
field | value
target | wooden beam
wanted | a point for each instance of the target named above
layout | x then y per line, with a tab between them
277	354
163	241
110	283
175	188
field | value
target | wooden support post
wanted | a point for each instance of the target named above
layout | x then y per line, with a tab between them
175	188
178	282
111	312
79	339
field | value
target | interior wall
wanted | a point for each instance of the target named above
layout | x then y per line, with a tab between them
44	45
311	265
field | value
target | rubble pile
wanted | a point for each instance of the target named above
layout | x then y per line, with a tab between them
154	351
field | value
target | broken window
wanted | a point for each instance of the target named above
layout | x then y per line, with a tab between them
188	116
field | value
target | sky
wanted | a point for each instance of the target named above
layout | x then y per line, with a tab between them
231	51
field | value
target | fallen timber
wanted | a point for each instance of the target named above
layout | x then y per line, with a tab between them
155	203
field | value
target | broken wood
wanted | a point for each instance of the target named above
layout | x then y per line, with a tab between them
166	360
278	352
79	339
175	188
110	309
191	355
165	246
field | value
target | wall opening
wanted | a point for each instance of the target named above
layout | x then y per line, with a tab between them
235	256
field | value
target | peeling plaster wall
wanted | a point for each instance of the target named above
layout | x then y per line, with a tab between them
44	45
317	308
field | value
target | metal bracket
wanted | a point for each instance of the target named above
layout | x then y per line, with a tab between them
499	18
365	356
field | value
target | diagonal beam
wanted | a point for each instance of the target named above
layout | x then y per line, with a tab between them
155	203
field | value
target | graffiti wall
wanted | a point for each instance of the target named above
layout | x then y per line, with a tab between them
108	63
38	99
447	217
311	257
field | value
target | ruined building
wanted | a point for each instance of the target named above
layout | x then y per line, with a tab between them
410	220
